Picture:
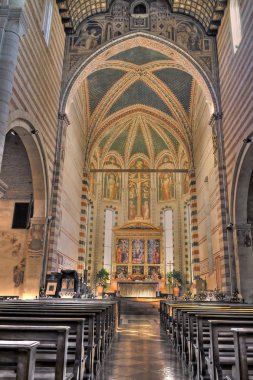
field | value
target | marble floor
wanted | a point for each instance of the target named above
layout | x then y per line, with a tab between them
141	351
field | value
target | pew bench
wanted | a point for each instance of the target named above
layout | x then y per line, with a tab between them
21	356
51	357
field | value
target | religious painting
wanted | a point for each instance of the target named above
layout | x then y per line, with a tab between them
139	192
112	186
153	271
89	36
121	271
138	270
122	251
166	186
154	251
138	251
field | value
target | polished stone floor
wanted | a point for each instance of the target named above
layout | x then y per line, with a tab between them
141	351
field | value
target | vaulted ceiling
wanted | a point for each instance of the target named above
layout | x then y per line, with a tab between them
139	103
208	12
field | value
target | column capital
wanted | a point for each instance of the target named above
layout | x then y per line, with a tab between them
14	20
64	118
214	118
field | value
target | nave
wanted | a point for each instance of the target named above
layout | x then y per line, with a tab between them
141	349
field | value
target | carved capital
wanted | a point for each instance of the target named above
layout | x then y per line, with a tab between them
64	119
15	20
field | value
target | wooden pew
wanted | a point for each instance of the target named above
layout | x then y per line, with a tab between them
243	341
105	313
20	355
221	359
53	362
75	353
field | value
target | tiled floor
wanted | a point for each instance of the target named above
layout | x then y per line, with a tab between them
140	351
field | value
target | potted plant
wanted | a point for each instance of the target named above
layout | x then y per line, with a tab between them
174	279
102	277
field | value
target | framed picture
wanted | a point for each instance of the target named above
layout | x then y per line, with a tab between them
51	288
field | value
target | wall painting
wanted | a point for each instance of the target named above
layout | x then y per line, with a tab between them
138	251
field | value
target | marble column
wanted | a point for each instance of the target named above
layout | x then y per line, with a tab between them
12	28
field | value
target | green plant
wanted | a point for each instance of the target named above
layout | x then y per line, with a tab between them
102	277
174	278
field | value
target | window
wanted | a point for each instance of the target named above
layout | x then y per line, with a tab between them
109	216
47	21
235	19
21	215
168	229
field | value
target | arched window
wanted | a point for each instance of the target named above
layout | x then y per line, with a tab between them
168	231
235	19
109	220
47	20
140	9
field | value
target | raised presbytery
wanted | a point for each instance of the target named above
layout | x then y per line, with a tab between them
126	187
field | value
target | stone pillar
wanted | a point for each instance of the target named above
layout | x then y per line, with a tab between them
55	204
12	28
82	251
228	276
244	260
194	226
34	258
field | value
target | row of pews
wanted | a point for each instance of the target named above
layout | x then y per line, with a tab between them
58	339
215	341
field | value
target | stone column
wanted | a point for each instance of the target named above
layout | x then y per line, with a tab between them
244	259
194	226
55	203
12	28
226	237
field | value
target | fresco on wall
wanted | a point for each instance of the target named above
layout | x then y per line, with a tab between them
122	251
138	270
112	180
18	273
138	251
92	182
139	192
166	181
112	186
13	246
120	19
166	186
154	251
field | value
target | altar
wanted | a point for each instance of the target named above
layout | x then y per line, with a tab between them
138	288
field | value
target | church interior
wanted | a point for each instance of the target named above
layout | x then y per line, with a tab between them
126	188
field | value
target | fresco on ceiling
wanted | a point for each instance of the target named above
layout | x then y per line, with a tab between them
154	251
112	180
138	251
139	192
158	18
122	251
166	181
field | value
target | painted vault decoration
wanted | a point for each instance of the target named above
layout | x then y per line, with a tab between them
94	23
140	14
